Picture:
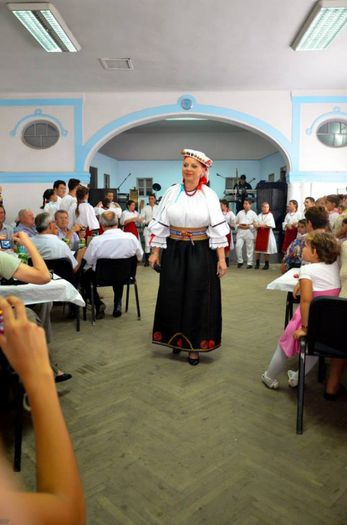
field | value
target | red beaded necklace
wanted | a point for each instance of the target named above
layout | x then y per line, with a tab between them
190	193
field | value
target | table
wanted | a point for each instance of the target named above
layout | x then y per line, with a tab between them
56	290
286	282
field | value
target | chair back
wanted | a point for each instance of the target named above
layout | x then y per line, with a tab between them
326	332
115	271
63	268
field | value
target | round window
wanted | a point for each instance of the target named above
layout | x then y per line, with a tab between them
333	133
40	134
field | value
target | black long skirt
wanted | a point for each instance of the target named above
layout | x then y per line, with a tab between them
188	313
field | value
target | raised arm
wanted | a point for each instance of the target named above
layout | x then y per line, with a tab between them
59	498
38	273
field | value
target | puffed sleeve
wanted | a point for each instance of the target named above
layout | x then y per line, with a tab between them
159	225
218	228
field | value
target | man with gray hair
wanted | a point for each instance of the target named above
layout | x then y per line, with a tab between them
112	244
26	221
49	245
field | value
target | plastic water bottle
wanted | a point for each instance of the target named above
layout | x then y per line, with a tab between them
82	243
23	254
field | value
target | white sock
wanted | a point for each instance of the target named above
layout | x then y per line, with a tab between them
277	363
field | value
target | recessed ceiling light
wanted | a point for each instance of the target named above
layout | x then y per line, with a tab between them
324	23
46	25
116	63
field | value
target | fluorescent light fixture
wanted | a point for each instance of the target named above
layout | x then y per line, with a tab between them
326	20
46	25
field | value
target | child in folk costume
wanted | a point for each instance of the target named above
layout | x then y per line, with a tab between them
265	241
230	220
320	278
290	224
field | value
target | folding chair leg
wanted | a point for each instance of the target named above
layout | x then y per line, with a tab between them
92	304
137	302
78	319
287	313
301	389
127	298
18	426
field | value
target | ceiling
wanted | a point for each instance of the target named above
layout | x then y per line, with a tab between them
178	45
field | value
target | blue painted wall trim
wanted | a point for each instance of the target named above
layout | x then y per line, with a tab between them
151	114
77	104
12	177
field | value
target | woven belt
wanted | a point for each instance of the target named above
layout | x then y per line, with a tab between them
188	234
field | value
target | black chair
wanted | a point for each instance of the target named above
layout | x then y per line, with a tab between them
110	272
290	301
63	268
325	338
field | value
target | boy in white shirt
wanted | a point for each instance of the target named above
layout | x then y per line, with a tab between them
244	223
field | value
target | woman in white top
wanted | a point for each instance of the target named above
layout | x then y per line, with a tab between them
84	214
230	220
50	203
265	241
191	230
130	217
290	224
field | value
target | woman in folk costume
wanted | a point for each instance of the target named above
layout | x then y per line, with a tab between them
191	230
230	220
129	218
265	241
290	224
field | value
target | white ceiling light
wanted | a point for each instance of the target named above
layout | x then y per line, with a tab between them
46	25
326	20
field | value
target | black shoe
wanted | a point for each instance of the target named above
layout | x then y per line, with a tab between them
192	361
266	266
100	311
257	265
332	397
117	312
59	378
249	266
239	265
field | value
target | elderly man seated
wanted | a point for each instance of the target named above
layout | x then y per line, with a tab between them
26	221
112	244
49	245
62	222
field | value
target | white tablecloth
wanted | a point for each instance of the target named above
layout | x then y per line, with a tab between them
286	282
56	290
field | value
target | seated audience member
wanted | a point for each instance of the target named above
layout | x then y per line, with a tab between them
6	231
333	386
112	244
320	278
26	221
70	236
308	203
69	202
290	224
341	233
50	202
332	202
105	205
59	188
265	241
49	245
293	256
84	214
59	496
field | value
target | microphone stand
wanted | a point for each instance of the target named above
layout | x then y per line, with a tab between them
121	184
